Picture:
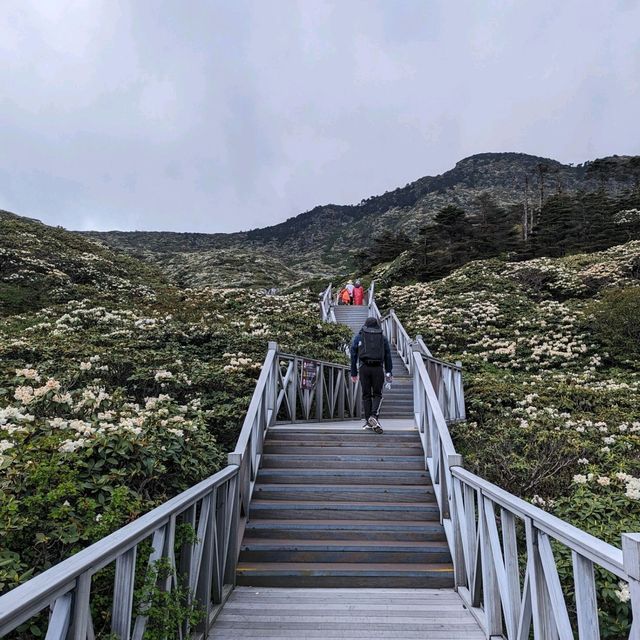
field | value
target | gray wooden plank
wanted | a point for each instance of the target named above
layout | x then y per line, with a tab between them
304	624
273	612
362	615
60	618
586	598
353	634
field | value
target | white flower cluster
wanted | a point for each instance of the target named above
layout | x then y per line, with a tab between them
26	394
627	216
631	484
29	374
239	362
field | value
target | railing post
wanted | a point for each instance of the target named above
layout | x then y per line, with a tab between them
456	515
490	590
293	389
393	329
631	562
586	597
319	391
414	375
123	593
459	388
272	388
342	391
234	534
543	627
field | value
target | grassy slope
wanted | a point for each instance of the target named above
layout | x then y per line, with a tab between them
41	265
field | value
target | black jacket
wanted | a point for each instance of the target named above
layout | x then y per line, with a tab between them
388	363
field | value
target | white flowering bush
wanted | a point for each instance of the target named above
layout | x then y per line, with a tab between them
552	395
115	397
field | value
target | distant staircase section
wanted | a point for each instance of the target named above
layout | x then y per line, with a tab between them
397	402
353	316
344	508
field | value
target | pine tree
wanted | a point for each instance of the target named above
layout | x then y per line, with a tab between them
557	231
494	229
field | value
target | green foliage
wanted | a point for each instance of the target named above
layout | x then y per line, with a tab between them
552	416
166	611
616	321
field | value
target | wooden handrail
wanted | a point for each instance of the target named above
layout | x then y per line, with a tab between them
326	305
219	503
480	523
73	575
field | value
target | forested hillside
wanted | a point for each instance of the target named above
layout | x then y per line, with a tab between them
566	224
507	193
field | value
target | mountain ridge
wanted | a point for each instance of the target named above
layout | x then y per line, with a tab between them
325	240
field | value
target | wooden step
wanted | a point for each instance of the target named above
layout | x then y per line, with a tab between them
302	475
357	436
365	462
403	446
321	510
344	492
343	551
327	574
380	448
345	530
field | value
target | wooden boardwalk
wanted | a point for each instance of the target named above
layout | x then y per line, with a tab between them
272	612
433	614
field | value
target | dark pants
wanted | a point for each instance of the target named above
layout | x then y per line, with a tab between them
371	381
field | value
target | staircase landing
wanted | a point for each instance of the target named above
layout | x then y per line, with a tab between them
255	613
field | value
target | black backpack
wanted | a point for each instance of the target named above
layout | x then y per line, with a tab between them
371	350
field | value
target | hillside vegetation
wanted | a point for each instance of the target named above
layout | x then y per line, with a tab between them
550	349
117	390
41	265
336	239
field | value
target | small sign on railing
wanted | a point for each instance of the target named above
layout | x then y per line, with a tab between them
309	374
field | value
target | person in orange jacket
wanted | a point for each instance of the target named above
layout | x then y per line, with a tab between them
358	293
344	297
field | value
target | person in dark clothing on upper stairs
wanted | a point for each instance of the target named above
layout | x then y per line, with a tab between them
371	351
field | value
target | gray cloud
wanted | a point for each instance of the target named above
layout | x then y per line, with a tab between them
220	116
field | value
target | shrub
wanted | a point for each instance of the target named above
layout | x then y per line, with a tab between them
616	320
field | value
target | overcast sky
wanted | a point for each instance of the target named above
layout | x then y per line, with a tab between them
223	115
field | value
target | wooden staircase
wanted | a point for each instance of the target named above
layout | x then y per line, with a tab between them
343	509
398	401
351	315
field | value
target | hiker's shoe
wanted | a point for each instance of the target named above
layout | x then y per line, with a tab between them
373	424
367	427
